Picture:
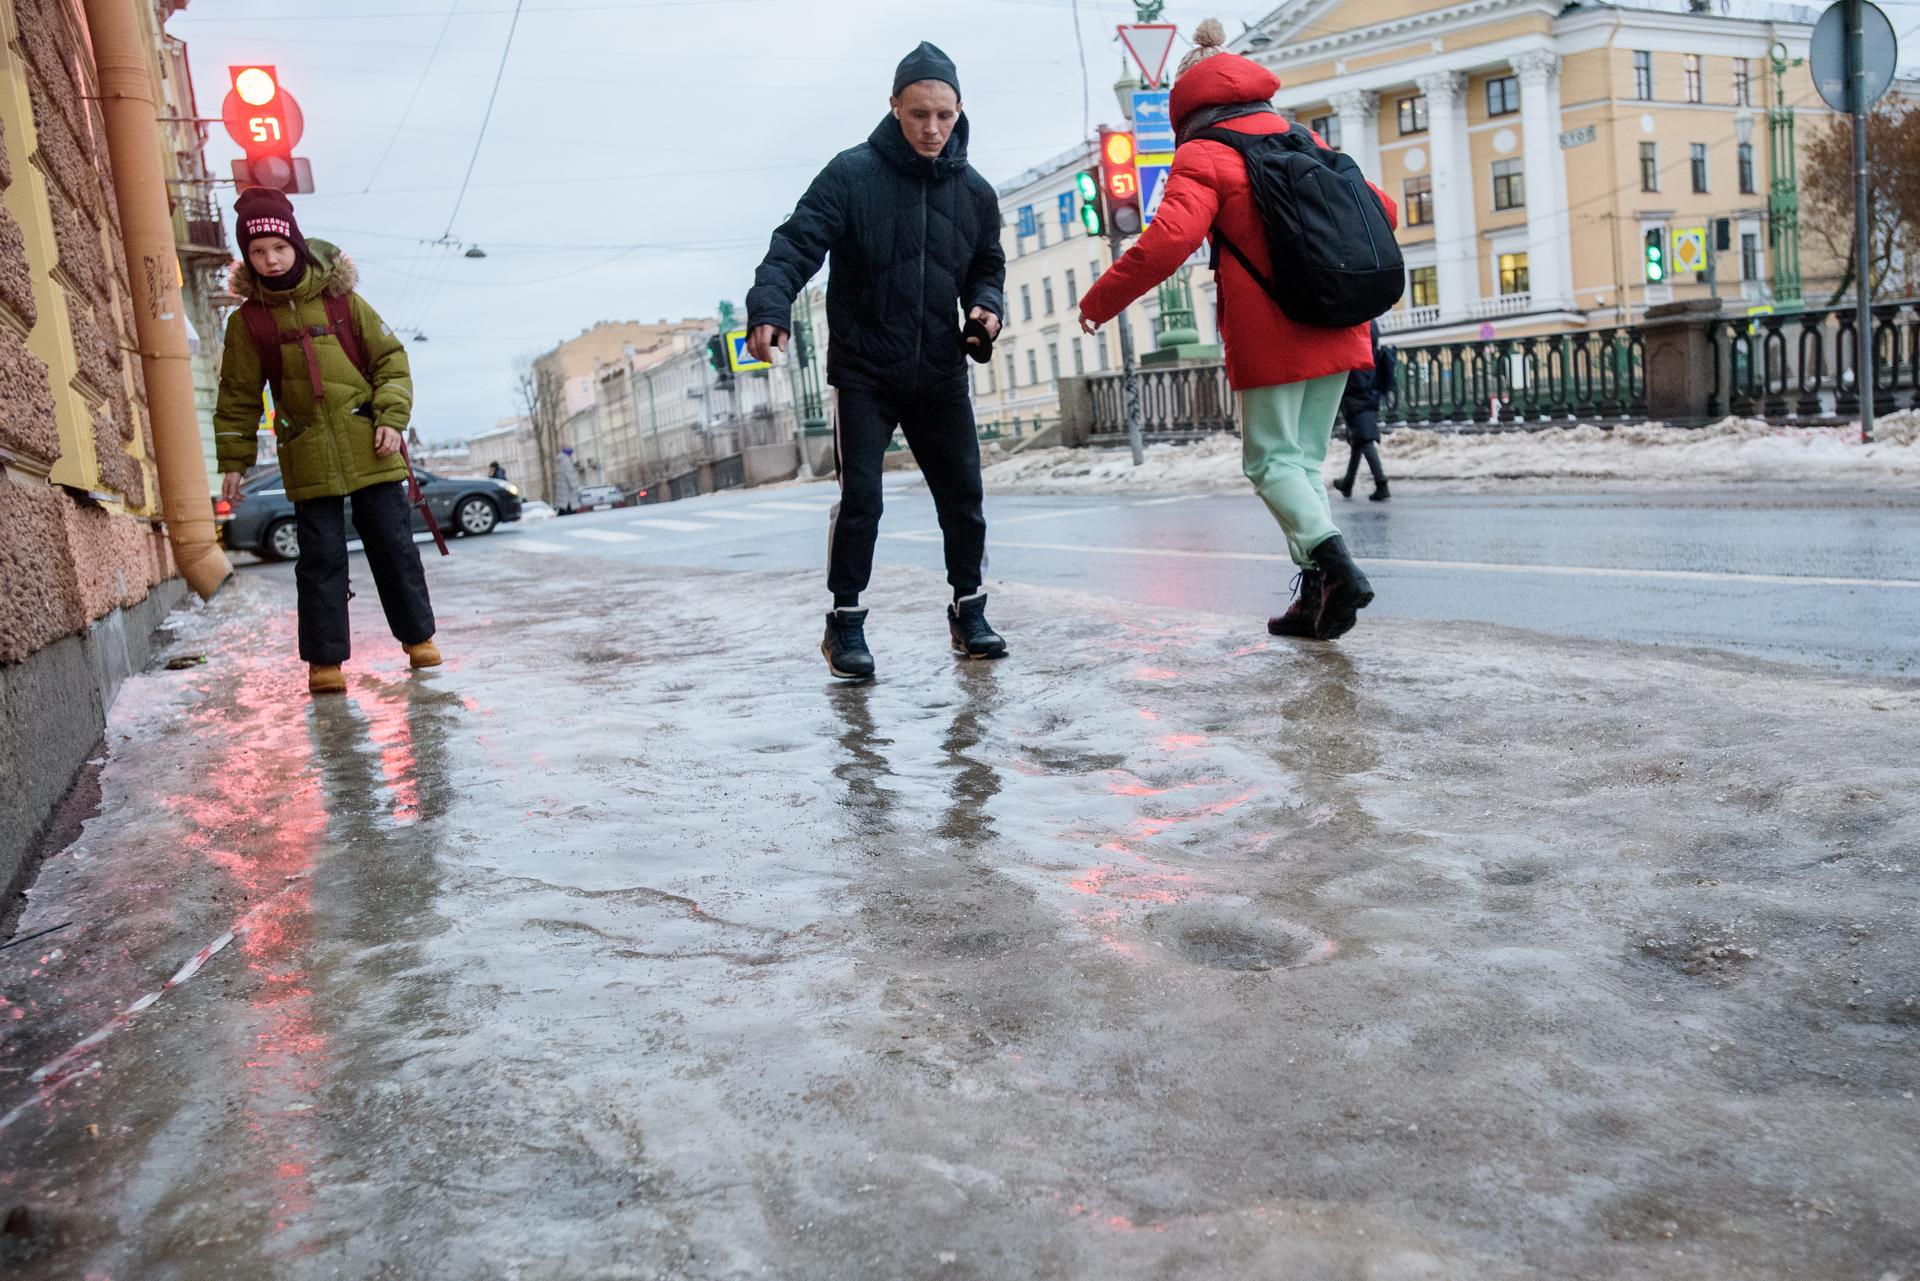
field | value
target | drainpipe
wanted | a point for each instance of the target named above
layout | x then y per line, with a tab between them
120	58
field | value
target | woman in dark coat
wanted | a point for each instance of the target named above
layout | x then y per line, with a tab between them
1360	406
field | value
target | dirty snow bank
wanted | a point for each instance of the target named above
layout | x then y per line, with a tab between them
1735	451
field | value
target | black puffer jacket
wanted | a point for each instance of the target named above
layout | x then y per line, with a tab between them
915	244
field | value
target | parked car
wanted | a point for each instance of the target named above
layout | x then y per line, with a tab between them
599	498
262	521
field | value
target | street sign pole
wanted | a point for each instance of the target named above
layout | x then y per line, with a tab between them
1857	102
1128	370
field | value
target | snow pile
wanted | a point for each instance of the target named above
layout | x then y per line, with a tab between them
1735	451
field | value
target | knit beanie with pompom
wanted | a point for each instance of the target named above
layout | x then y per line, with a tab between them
1209	38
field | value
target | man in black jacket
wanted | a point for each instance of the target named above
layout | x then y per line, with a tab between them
914	236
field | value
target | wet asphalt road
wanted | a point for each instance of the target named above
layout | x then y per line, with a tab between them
1830	580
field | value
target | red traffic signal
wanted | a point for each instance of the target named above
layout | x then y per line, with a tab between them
1120	182
264	119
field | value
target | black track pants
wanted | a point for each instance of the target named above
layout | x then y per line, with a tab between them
384	524
941	435
1364	448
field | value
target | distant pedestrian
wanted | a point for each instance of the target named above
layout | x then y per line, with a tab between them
1290	374
1360	407
566	482
496	472
914	235
342	393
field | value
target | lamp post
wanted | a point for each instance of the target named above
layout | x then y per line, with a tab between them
1124	88
1783	191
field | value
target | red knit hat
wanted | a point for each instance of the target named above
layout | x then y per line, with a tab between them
262	211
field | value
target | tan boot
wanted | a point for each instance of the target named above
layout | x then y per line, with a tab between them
326	678
425	654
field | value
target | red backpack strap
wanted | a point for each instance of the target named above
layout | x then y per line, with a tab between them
265	334
340	324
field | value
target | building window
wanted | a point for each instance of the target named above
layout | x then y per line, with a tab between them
1649	166
1033	369
1695	90
1509	185
1100	346
1749	256
1079	357
1053	360
1073	288
1041	227
1046	296
1423	287
1413	114
1503	96
1328	127
1418	204
1513	274
993	382
1742	82
1643	75
1012	373
1698	159
1026	302
1745	154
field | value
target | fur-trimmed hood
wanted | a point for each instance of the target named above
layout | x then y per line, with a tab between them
327	265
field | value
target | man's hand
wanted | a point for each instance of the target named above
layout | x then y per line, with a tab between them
386	442
987	319
762	340
230	487
1088	325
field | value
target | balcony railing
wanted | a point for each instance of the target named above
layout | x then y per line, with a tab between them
1504	305
1804	365
1409	318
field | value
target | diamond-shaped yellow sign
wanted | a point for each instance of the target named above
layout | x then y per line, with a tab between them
1690	250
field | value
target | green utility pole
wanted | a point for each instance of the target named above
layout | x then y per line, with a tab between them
1783	199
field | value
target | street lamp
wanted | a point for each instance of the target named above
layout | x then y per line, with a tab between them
1124	88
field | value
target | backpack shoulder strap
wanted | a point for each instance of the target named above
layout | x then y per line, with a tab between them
340	322
265	334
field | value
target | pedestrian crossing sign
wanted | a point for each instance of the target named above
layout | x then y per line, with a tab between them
737	355
1153	169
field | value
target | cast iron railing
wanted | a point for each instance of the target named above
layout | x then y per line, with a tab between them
1803	365
1580	374
1188	400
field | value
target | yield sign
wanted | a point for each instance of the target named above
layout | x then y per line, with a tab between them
1149	43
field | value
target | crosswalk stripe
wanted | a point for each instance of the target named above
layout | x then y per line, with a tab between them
675	526
739	516
524	544
603	535
810	508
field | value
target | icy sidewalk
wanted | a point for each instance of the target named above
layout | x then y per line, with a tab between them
1734	452
628	945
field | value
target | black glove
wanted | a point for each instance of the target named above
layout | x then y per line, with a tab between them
978	342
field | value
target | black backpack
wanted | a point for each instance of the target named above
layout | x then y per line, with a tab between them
1335	261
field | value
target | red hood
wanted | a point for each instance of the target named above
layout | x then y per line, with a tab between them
1222	79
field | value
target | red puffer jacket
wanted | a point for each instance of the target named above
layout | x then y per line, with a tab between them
1209	184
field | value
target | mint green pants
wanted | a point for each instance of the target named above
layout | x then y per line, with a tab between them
1284	432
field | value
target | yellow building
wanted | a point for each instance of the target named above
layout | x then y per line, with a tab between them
1538	149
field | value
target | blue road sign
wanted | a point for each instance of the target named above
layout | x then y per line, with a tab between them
1066	209
1153	170
1153	120
1029	225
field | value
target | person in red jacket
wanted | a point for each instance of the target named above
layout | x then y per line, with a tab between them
1290	376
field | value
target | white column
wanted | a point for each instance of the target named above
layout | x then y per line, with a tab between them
1456	237
1549	237
1359	114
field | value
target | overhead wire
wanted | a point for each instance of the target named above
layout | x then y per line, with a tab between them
486	117
418	85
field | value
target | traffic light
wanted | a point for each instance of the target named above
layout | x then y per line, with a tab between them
1120	182
1656	256
717	357
1086	185
264	119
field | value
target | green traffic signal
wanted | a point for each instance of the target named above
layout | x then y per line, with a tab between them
1656	257
1088	187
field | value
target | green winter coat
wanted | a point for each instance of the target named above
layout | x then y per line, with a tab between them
326	447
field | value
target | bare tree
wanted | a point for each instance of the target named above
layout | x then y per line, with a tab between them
1893	197
542	400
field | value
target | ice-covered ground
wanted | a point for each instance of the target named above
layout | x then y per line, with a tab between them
1735	451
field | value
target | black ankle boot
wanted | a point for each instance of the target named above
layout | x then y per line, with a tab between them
1379	494
967	625
845	644
1303	615
1345	487
1345	591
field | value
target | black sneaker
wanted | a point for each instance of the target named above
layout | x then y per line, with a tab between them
967	625
1303	615
845	645
1345	590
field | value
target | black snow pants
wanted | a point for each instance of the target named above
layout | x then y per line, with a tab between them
941	435
384	524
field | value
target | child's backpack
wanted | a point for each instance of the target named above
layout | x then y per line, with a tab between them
1335	261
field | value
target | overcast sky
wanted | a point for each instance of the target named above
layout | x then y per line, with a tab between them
639	152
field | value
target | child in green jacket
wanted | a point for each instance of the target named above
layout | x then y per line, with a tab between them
339	430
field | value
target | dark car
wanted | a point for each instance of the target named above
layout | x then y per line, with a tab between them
262	521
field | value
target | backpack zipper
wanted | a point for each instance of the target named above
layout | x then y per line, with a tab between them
1362	211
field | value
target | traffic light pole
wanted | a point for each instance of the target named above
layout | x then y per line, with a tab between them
1862	232
1129	371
